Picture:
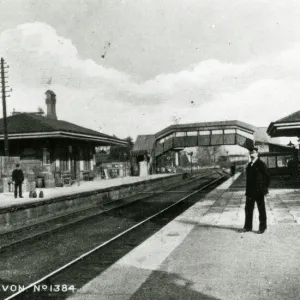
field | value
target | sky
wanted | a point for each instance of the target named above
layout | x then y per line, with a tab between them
129	67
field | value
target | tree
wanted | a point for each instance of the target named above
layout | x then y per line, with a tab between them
130	142
184	161
207	156
118	153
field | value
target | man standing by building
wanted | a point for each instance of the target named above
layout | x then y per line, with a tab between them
257	184
18	178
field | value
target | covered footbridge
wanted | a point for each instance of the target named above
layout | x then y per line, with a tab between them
180	136
177	137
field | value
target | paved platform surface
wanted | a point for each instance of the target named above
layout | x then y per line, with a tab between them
8	198
201	255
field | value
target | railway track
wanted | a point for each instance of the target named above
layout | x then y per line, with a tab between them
30	232
123	228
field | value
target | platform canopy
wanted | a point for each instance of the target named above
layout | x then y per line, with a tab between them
288	126
31	126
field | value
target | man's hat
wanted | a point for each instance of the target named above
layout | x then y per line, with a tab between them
253	149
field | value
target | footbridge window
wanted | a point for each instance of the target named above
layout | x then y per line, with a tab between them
180	134
180	139
229	131
204	138
214	132
217	137
204	132
192	133
192	137
169	137
229	136
161	141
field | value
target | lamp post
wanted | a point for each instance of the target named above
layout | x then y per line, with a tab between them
168	159
191	154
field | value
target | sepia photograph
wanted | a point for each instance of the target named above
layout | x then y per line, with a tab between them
150	149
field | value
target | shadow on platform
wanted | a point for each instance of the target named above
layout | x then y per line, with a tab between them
162	285
204	225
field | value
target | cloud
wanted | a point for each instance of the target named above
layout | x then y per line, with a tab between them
256	91
38	52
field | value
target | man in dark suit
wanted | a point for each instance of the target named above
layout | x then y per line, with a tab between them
257	184
18	178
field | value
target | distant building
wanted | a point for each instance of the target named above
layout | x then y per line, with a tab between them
288	126
141	154
265	143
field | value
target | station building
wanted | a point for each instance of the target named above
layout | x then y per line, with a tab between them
273	152
44	144
142	154
288	126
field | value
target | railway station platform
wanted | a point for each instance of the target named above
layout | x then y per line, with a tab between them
20	213
7	199
201	254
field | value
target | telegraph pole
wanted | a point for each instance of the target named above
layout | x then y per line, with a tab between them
3	67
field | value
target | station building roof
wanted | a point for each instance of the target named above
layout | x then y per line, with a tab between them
30	126
288	126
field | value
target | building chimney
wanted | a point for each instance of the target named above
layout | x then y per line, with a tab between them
51	105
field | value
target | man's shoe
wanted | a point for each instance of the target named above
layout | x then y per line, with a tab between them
21	197
244	230
261	231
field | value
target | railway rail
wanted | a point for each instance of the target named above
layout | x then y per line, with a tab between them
123	228
30	232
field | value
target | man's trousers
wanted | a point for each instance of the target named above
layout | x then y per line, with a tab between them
249	207
18	186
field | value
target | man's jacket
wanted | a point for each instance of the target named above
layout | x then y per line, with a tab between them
17	176
258	178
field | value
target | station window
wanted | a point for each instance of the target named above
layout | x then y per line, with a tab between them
86	160
282	161
64	161
272	162
64	165
86	165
